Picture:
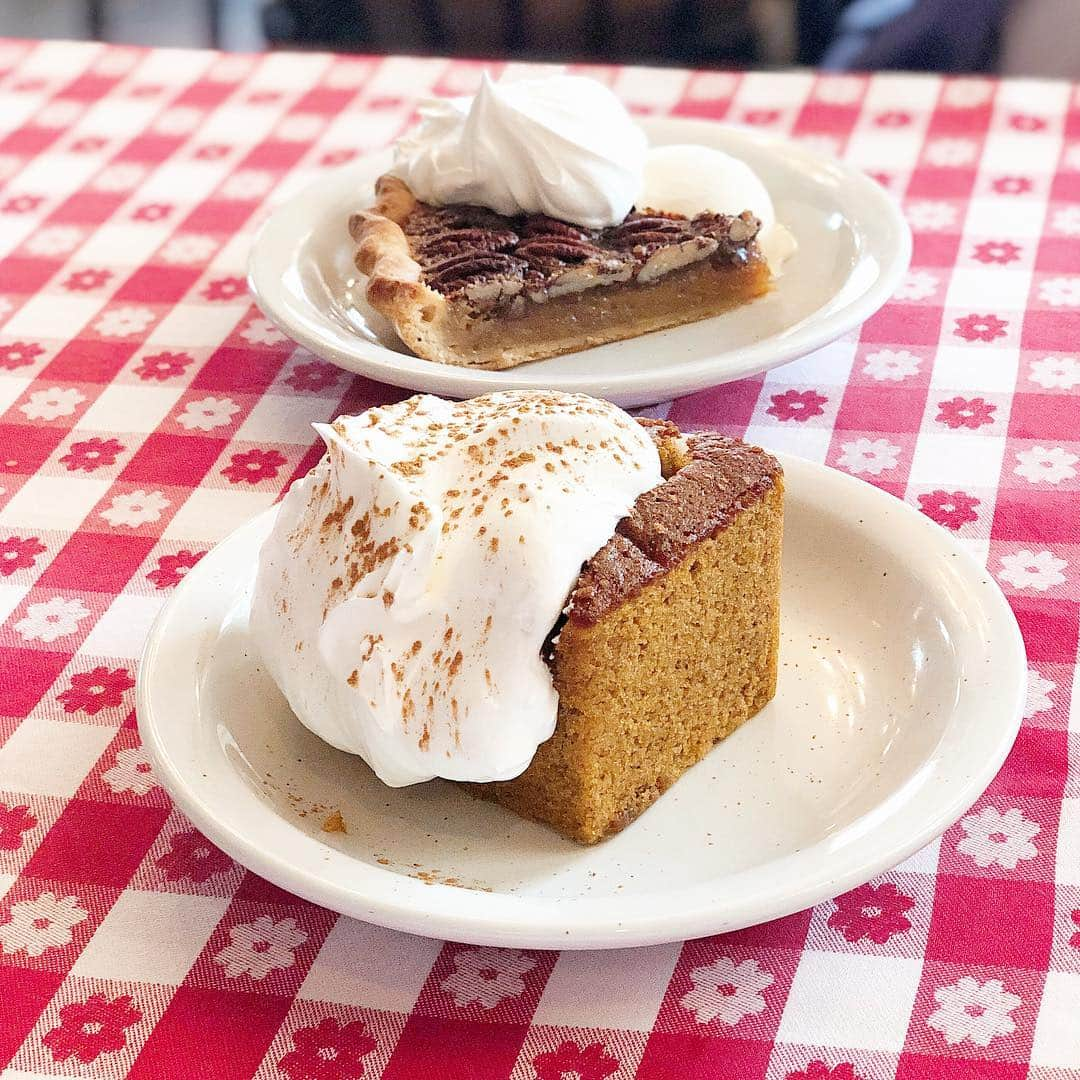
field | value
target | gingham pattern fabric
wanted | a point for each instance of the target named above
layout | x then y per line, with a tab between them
148	408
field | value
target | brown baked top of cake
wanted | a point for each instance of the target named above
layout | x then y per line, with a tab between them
471	254
718	478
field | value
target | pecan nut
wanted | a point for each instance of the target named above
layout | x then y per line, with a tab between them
472	266
458	241
562	249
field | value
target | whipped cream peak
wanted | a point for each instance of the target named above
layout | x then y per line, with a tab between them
410	581
563	145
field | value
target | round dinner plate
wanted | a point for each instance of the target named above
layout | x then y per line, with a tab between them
902	685
854	246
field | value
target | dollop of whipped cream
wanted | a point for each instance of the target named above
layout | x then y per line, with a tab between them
690	179
563	146
405	593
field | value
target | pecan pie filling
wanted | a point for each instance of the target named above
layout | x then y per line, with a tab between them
494	264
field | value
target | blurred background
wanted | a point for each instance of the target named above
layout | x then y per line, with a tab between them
1025	37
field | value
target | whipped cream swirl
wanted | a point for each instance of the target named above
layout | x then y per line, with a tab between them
404	595
563	146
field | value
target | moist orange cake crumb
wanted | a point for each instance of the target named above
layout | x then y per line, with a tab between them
670	640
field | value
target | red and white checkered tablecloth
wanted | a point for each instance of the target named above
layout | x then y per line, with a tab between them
148	409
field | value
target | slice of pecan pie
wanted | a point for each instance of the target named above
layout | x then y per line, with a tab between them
464	285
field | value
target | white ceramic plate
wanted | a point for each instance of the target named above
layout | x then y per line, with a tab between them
901	690
854	246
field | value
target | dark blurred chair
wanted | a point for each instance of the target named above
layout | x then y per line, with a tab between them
930	35
900	35
718	32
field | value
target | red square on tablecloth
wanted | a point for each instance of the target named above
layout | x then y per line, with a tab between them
214	1033
1036	764
1065	187
687	1056
903	326
925	1067
25	675
935	249
1049	330
1021	914
26	274
1049	628
1058	254
87	208
932	183
1052	521
24	448
478	1051
178	460
96	562
97	843
25	992
157	284
865	408
84	360
1043	416
150	148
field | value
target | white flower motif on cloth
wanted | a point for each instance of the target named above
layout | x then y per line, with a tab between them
838	89
926	215
51	619
917	285
949	153
52	403
1038	694
1067	220
178	120
967	93
247	184
712	85
6	306
208	413
135	508
972	1010
55	240
487	976
995	839
132	772
1061	291
1056	372
1071	157
1026	569
43	923
726	991
121	176
259	947
61	113
891	365
300	127
262	332
873	456
124	321
188	248
1048	464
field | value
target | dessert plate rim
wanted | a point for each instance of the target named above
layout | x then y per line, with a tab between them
883	239
210	791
